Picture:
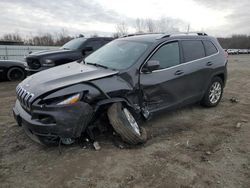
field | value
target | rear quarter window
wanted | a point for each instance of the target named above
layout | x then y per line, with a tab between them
192	50
210	48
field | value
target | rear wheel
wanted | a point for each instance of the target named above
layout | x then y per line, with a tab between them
15	74
214	93
125	124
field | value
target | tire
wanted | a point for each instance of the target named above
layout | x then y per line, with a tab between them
214	93
15	74
129	130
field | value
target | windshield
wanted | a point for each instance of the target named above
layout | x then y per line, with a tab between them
118	54
73	44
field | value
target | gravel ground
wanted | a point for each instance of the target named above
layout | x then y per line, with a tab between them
190	147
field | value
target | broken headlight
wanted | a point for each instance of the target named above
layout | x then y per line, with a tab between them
70	100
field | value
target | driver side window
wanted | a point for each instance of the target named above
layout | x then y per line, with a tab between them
168	55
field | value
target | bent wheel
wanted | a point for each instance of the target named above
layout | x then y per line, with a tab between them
125	124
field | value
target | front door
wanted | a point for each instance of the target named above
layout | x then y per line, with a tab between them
165	87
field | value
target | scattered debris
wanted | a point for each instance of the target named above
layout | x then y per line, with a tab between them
229	149
177	144
204	158
120	146
208	153
238	125
234	100
130	178
209	162
96	145
244	121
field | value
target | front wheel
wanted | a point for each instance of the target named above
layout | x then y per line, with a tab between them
15	74
214	93
124	123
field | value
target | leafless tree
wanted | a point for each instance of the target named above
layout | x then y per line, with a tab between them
121	29
139	25
236	41
150	26
12	37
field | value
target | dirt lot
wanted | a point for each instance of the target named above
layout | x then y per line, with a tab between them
191	147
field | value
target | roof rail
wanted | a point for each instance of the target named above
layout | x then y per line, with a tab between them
136	34
184	33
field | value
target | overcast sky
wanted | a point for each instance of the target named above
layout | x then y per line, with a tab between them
216	17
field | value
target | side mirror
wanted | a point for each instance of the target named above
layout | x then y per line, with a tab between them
87	49
151	65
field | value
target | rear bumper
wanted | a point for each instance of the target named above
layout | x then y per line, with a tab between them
67	121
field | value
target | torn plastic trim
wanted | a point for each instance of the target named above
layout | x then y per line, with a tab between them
98	88
114	100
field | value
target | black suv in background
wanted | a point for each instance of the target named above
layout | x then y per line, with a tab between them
74	50
125	80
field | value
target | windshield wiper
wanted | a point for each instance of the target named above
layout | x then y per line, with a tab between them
98	65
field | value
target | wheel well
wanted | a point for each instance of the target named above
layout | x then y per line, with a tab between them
16	67
221	76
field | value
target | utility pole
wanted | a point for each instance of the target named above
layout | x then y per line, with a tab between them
188	28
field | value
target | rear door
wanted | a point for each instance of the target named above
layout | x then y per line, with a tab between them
194	67
199	63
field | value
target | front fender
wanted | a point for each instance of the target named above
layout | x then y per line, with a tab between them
115	100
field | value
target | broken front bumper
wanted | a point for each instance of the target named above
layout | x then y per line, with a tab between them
66	121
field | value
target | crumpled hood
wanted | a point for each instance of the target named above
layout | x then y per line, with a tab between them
61	76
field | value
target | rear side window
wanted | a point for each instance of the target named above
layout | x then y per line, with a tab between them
192	49
209	47
168	55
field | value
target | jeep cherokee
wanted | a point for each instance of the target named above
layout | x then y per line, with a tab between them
128	78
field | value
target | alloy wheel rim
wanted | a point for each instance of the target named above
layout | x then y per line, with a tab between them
215	92
132	121
16	75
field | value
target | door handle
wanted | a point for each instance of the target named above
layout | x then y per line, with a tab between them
179	72
209	63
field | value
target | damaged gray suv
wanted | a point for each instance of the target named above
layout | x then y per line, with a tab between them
126	80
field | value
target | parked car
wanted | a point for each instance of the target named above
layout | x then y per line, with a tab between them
128	79
12	70
74	50
243	51
233	51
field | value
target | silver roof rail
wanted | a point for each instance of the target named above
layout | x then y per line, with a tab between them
136	34
185	33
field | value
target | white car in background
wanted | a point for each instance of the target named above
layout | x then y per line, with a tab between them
232	51
243	51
